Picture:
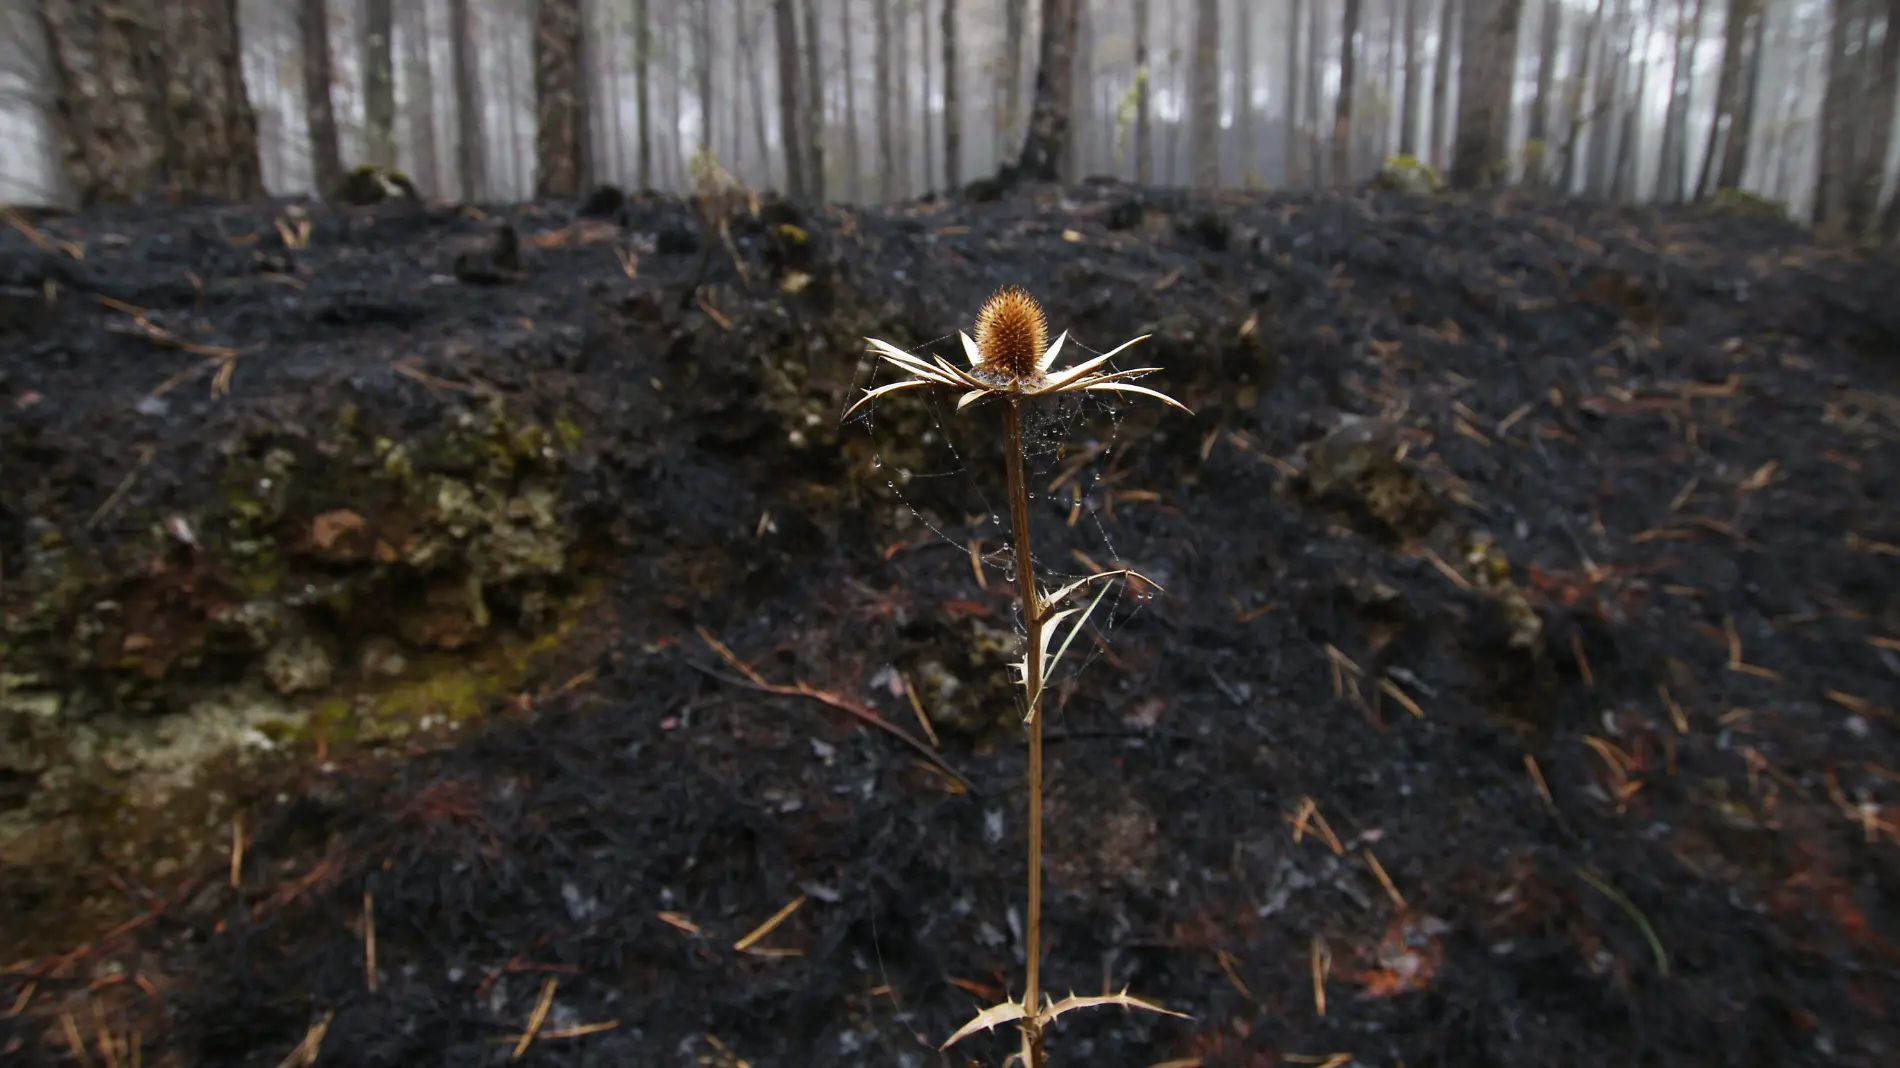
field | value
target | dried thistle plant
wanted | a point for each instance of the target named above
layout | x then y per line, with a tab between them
1010	357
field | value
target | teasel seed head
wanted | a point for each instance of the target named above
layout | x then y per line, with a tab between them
1012	334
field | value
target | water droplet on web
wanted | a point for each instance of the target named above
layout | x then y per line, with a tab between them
877	461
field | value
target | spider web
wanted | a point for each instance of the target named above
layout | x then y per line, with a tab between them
1071	442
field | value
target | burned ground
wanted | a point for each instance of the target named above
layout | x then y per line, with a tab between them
1521	689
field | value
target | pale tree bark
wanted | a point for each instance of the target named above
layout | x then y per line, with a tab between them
1485	75
1409	108
900	66
326	158
736	59
1864	191
853	145
379	82
1050	127
1537	149
1292	173
813	99
1015	28
1144	122
1080	99
1243	95
419	82
886	149
952	102
152	101
471	142
643	90
1342	105
1835	161
1441	82
1206	93
560	98
1575	121
1729	88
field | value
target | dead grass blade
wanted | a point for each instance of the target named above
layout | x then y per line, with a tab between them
744	945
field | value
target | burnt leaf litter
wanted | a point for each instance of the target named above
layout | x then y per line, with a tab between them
1522	690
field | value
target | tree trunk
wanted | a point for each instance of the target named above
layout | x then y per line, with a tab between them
1674	147
1485	78
853	145
1342	106
1291	173
1835	160
419	83
1315	70
153	101
643	89
379	83
1144	118
1081	70
1576	121
326	158
559	95
900	66
471	141
923	66
886	149
1623	183
703	70
1049	122
1441	82
1864	192
1735	148
791	139
735	89
1408	112
1243	95
1537	153
814	102
1206	98
952	102
1015	28
1728	92
1610	63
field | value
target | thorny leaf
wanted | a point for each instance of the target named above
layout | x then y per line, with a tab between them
1011	1011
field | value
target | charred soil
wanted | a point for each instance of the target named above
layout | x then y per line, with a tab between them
435	636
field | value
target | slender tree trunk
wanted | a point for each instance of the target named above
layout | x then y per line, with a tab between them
791	137
814	102
1081	71
1315	70
1611	60
1835	161
1244	115
923	67
1623	185
560	98
1537	148
901	66
1144	117
1484	92
471	142
419	84
1049	120
1864	191
1728	91
853	145
1342	106
643	91
326	157
703	72
379	83
735	88
1735	147
1292	175
1576	122
1015	28
952	102
1441	82
1206	99
1409	109
1674	149
886	148
151	102
749	48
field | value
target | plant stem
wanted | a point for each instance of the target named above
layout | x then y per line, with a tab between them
1032	681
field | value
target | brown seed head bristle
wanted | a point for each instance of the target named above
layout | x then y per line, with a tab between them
1011	333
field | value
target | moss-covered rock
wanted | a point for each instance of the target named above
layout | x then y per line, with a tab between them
1408	174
